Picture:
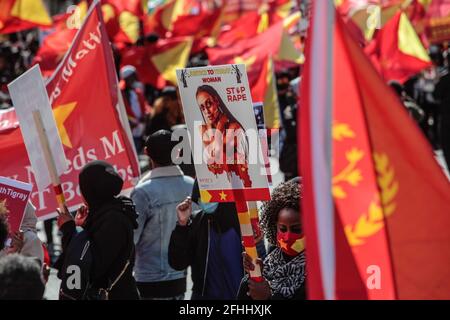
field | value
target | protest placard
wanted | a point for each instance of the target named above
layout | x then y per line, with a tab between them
38	126
14	195
224	137
225	143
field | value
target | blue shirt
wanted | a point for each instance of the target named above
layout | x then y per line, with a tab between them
225	270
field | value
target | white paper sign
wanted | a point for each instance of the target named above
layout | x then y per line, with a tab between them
224	137
28	94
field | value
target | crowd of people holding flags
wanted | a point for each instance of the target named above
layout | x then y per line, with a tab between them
135	220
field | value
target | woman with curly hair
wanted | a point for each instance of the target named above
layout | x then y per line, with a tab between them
284	269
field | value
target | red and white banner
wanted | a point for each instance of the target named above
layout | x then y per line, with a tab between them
89	115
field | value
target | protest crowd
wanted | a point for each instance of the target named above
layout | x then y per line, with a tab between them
139	223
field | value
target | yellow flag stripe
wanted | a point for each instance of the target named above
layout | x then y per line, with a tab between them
31	10
172	59
408	40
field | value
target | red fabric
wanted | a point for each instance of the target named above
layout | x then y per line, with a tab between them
387	57
438	8
397	171
15	198
133	6
248	194
91	87
53	49
256	53
188	25
11	24
140	58
47	260
416	238
314	284
286	240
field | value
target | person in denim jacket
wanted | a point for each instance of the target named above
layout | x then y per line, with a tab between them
156	197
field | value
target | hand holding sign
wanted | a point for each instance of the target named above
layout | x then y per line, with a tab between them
184	211
63	216
39	130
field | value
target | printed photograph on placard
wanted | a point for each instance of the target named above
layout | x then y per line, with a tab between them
223	132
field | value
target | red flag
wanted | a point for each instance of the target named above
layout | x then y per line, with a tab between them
53	49
156	63
56	44
438	8
133	6
162	20
415	194
254	22
65	26
385	183
257	57
397	51
126	18
243	28
188	25
18	15
234	9
77	106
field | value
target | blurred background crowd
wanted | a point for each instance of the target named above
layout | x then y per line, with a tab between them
150	39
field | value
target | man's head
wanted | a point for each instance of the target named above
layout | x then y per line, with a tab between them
158	147
209	102
283	81
128	74
20	278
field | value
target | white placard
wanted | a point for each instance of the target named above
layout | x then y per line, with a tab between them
28	94
219	98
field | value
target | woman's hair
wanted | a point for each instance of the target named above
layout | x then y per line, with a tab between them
222	107
286	196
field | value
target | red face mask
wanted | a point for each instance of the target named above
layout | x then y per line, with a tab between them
291	243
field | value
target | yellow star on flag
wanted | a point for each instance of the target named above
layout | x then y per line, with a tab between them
283	244
223	195
61	113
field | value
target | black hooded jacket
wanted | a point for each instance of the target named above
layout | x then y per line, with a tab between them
111	229
110	225
189	244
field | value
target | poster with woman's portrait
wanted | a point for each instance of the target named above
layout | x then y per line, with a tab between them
224	138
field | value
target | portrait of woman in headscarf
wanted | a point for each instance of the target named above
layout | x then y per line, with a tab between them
223	136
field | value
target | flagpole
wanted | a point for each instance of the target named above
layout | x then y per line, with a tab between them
54	177
248	238
247	235
254	216
321	93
